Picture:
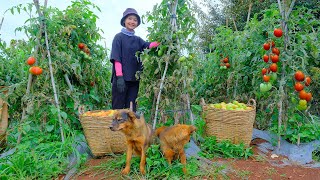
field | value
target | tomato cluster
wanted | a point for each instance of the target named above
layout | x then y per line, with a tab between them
84	50
34	70
270	73
225	63
300	82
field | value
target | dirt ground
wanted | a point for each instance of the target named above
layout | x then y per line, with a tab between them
259	166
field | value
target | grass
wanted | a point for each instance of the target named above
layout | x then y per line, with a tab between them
157	168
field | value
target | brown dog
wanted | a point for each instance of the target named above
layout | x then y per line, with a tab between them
172	141
138	135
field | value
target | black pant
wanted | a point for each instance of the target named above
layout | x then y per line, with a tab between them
122	100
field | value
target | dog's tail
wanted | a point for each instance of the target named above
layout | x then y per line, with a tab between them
159	130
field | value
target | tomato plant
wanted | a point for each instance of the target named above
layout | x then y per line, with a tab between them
168	59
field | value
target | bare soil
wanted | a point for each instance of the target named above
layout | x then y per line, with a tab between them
259	166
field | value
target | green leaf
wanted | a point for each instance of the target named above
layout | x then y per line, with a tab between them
26	128
64	115
49	128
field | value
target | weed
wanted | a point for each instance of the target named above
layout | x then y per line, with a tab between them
211	148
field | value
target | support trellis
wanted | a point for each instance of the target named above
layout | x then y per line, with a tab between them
43	32
174	28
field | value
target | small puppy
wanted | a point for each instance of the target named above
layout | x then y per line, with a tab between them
138	135
172	141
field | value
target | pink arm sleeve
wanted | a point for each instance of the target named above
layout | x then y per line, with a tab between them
118	68
154	44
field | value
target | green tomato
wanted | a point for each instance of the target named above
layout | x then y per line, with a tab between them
160	52
293	100
182	59
273	76
302	102
301	108
263	87
269	86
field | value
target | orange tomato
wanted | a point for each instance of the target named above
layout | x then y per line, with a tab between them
274	67
31	60
308	81
303	94
266	78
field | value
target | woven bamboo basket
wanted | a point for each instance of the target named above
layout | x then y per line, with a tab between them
100	138
233	125
3	118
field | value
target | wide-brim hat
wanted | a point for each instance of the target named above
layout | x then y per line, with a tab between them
126	13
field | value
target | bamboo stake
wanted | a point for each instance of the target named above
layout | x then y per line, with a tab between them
159	95
174	28
285	15
249	12
68	81
234	24
51	70
1	22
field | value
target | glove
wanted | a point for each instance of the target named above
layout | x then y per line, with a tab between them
154	44
121	85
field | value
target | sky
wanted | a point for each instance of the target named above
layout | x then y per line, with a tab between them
109	17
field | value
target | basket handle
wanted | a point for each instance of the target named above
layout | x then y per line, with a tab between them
252	102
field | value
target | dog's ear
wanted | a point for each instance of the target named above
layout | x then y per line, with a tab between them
132	115
192	129
124	115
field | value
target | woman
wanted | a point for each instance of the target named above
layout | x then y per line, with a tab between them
125	45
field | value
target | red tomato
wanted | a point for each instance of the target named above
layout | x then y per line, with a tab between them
264	71
303	94
31	60
276	51
274	67
266	78
35	70
298	86
225	60
277	32
274	58
265	58
272	44
266	46
308	97
308	81
299	76
81	45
